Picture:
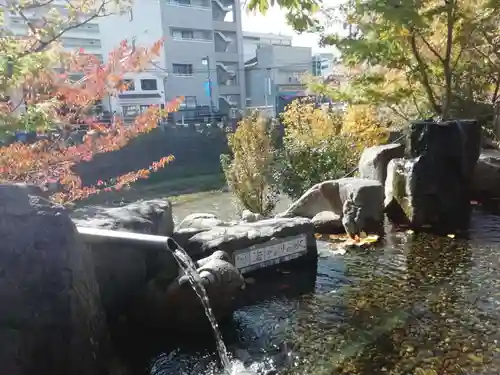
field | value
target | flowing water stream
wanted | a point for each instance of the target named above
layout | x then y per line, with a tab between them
187	265
413	305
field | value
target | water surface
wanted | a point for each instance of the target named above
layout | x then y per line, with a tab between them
417	304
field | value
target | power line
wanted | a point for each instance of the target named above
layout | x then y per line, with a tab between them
204	71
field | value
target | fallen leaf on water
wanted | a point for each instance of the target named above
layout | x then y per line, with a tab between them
360	242
451	235
338	237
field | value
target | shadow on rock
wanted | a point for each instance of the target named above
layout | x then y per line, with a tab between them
174	305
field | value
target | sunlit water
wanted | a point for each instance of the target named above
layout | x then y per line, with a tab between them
416	302
415	305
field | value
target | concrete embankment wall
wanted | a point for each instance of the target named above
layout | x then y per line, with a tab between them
196	151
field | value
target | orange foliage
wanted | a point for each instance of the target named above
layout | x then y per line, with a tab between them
51	162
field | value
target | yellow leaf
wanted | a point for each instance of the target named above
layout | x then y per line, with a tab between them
476	358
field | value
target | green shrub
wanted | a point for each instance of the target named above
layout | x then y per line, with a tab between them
302	165
249	168
314	148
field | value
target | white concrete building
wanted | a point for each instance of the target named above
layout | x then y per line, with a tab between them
140	26
86	37
252	41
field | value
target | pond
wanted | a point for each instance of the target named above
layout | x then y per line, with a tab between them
415	304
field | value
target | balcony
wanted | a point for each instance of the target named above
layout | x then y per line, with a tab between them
226	72
223	11
229	101
225	42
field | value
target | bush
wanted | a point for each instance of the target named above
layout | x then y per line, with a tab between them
249	170
313	148
363	124
304	165
304	121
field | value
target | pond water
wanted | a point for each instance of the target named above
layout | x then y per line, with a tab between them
415	304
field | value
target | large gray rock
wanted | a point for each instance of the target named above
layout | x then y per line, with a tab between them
175	305
363	205
249	216
327	222
51	320
123	270
200	221
151	217
486	182
374	160
444	157
357	201
244	235
324	196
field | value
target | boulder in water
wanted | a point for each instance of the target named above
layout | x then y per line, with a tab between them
434	187
327	222
51	317
321	197
200	221
363	205
357	201
245	235
175	305
150	217
250	217
486	182
374	160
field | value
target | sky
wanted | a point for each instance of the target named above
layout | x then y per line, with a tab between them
274	22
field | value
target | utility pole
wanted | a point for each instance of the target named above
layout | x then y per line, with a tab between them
267	87
206	61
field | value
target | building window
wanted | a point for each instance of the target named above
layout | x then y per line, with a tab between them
183	2
187	34
183	69
130	110
149	85
190	102
190	34
129	85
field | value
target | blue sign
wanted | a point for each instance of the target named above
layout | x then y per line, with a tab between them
207	88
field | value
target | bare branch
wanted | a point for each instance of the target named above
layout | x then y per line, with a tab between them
425	78
431	48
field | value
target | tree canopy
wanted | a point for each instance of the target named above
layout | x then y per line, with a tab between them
416	57
40	95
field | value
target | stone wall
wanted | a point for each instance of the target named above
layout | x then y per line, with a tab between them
196	151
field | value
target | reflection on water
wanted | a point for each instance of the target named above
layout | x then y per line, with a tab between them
416	305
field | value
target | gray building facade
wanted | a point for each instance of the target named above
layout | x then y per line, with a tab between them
203	40
276	71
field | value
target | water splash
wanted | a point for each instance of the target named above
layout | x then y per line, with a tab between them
189	267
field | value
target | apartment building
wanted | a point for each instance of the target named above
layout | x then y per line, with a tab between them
202	45
252	41
323	64
86	36
275	74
